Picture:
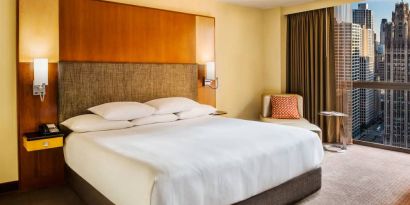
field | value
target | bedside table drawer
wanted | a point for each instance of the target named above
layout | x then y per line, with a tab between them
35	145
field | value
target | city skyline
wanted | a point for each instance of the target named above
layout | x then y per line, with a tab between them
381	9
377	115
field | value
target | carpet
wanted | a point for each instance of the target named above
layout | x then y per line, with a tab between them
363	176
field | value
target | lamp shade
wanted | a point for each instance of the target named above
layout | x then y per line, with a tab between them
40	71
210	71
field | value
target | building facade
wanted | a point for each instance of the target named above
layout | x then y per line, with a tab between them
363	17
397	123
379	77
383	27
380	62
348	38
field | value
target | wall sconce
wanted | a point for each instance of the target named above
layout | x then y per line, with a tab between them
210	80
40	77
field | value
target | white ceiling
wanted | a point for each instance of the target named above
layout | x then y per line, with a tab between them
266	4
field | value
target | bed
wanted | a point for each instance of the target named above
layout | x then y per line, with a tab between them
208	160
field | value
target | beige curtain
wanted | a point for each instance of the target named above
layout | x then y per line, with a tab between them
310	66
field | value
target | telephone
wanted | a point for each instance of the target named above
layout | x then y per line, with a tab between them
48	129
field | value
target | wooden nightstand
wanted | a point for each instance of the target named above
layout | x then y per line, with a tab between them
36	141
219	112
43	164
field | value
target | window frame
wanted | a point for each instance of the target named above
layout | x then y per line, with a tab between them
377	86
381	85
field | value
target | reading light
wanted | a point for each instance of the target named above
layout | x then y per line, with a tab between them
40	77
211	80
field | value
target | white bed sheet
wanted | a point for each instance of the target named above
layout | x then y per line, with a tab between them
202	161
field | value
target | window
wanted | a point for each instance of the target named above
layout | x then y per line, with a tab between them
376	72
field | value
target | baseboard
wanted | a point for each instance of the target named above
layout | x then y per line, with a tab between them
9	186
381	146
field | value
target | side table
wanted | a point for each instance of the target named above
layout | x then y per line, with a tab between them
339	123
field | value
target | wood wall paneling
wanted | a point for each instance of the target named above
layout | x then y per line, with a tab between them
100	31
41	168
205	39
205	52
206	95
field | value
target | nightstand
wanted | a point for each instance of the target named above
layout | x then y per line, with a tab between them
219	112
43	164
36	141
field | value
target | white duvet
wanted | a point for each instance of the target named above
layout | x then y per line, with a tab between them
203	161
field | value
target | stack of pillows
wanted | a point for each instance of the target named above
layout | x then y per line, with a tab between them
119	115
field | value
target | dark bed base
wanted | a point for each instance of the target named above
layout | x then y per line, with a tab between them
289	192
286	193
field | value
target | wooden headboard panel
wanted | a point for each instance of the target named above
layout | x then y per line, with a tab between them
101	31
83	85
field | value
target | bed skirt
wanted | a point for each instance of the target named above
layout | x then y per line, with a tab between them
287	193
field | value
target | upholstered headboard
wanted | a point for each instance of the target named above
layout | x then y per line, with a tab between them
83	85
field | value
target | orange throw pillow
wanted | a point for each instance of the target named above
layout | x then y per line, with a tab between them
285	107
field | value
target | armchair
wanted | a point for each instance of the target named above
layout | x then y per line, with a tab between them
266	115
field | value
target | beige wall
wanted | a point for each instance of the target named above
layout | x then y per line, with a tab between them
8	98
275	51
239	57
319	4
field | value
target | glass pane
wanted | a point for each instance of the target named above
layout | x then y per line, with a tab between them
371	45
369	116
386	120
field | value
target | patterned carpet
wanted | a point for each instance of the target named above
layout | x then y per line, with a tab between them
364	176
361	176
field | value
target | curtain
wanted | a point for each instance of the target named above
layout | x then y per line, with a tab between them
311	67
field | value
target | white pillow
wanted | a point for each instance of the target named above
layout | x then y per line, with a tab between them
122	110
91	123
155	119
198	111
172	105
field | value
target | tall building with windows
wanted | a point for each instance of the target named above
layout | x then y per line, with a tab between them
380	62
380	52
379	77
364	18
348	38
383	27
380	66
367	106
397	107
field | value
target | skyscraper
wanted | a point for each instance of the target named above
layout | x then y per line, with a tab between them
397	123
380	77
383	31
367	106
348	37
380	53
380	63
363	17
